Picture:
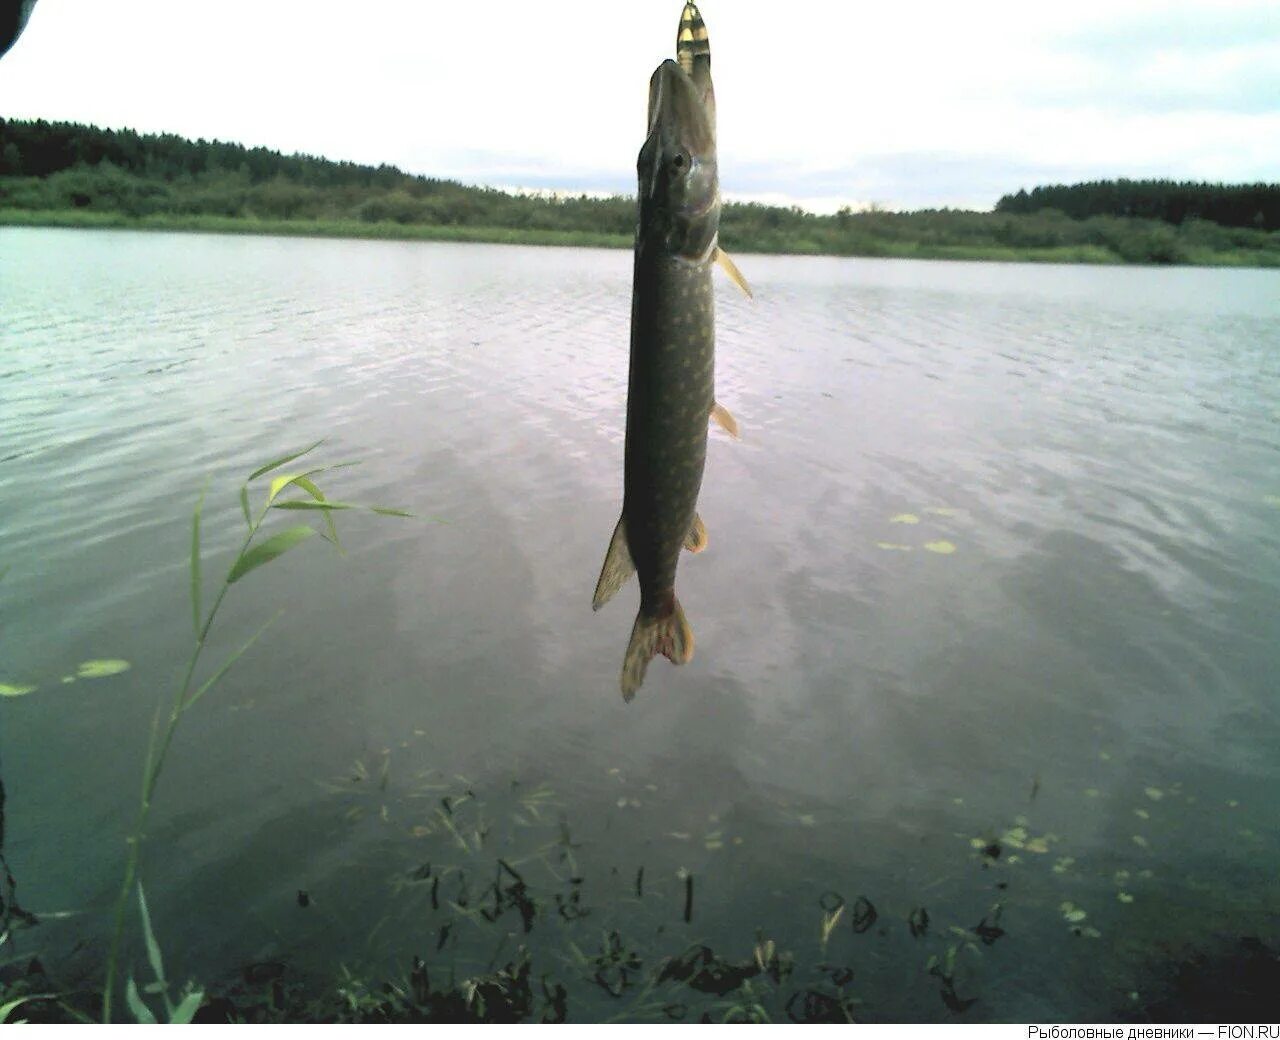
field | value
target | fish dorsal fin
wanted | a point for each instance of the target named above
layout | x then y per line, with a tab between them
696	540
722	417
731	269
617	568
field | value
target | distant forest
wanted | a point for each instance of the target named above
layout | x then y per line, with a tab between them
1231	205
70	174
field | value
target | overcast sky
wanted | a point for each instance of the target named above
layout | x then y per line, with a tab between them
905	105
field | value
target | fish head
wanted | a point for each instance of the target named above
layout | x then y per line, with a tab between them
679	181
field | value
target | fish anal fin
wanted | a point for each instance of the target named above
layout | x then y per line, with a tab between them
731	269
696	540
617	568
668	634
725	420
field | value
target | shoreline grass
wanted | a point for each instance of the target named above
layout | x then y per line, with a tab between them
861	246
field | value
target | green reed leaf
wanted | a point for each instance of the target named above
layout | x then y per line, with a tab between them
186	1009
8	1009
141	1013
244	503
318	495
277	463
195	563
153	947
226	667
277	545
301	479
306	503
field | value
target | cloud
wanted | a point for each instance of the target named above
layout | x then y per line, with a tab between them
926	104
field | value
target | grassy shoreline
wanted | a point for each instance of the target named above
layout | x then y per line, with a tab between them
394	231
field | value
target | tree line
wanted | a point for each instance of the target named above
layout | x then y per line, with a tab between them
72	173
1174	202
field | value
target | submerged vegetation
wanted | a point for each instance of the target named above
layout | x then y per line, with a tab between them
65	174
513	915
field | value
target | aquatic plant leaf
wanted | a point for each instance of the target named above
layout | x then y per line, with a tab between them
943	547
311	489
300	479
277	463
829	922
226	667
8	1009
277	545
387	511
18	690
195	564
904	518
186	1009
244	504
153	948
100	669
141	1013
306	503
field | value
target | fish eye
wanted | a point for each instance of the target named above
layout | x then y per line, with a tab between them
679	160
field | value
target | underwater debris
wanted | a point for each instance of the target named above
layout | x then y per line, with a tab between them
813	1007
700	969
864	915
988	929
615	966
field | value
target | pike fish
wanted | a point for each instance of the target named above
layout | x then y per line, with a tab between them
671	385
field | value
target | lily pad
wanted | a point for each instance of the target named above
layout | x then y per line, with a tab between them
16	690
1154	793
942	547
893	547
101	669
904	518
940	510
1124	897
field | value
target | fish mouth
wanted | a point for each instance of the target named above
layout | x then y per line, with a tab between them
678	113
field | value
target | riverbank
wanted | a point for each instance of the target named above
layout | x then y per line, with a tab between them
781	244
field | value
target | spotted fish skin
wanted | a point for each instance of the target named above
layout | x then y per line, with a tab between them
671	383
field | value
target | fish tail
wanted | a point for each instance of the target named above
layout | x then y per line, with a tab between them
668	634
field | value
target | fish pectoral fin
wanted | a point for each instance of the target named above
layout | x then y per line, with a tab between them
725	420
696	540
617	568
731	269
670	636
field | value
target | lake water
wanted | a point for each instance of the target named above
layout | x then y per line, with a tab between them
996	563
